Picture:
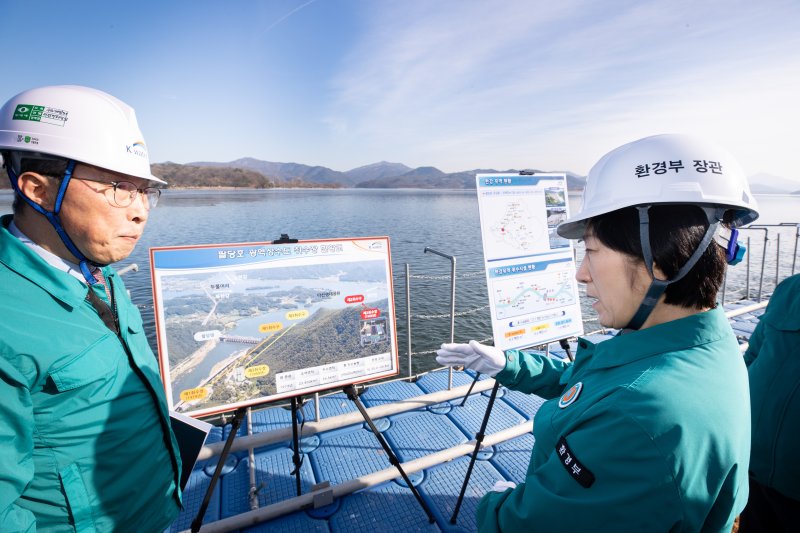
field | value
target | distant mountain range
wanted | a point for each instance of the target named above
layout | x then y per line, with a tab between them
383	175
249	172
764	183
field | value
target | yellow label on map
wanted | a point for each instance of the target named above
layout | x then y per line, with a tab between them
256	371
194	394
540	327
272	326
514	333
296	315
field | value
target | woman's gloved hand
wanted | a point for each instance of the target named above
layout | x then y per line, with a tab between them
476	356
503	485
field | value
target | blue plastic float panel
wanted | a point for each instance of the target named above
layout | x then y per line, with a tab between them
442	486
469	416
385	508
437	381
195	491
513	456
395	391
420	433
744	328
192	500
279	417
335	405
738	304
525	404
600	337
298	522
274	477
344	455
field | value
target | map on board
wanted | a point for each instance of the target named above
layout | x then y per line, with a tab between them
516	229
530	270
524	295
246	324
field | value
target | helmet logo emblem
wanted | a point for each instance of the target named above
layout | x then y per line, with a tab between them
40	113
137	148
571	395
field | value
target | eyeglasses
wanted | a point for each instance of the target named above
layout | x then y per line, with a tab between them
126	192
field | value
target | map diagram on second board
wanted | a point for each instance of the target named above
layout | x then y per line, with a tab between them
525	295
515	228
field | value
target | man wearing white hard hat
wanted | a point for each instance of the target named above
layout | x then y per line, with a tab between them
85	439
648	430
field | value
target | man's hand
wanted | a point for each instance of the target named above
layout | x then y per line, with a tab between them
476	356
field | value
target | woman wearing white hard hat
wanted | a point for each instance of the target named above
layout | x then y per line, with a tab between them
85	439
649	430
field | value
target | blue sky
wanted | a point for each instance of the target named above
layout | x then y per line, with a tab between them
458	85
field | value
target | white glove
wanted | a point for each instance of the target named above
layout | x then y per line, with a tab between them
502	485
479	357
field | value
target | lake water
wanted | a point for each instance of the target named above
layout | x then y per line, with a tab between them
445	220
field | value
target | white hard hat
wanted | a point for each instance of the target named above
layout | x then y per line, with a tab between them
77	123
664	169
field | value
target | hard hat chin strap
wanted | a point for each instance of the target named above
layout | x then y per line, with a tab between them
658	286
55	221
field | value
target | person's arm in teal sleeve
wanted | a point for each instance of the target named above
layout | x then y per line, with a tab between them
610	476
16	449
754	344
533	373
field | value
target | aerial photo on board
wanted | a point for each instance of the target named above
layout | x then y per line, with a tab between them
245	334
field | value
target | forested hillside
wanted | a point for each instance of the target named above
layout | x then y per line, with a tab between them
178	176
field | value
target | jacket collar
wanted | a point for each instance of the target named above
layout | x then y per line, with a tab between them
28	264
694	330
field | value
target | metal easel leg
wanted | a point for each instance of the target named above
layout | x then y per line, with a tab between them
351	393
478	441
296	444
235	423
474	381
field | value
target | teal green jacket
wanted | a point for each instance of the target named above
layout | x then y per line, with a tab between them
773	363
647	431
85	443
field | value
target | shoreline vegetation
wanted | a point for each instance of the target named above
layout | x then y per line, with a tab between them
190	176
251	173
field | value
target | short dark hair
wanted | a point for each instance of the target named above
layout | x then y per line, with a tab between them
53	167
675	232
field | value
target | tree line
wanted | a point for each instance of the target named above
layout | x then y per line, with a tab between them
180	176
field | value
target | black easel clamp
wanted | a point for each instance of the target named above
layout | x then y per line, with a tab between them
352	394
235	423
285	239
564	343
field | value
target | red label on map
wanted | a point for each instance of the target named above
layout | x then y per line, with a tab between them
354	299
366	314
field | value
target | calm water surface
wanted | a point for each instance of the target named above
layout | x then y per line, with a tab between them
413	219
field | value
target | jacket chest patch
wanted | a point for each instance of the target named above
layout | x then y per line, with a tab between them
571	395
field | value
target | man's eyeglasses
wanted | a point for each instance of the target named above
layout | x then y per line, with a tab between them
125	193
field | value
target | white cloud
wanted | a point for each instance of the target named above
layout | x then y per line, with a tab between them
473	84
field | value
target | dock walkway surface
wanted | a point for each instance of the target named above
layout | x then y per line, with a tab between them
351	452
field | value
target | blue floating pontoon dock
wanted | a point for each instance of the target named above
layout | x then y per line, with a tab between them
343	469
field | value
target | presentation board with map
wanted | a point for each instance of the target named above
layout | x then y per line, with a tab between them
530	270
245	324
